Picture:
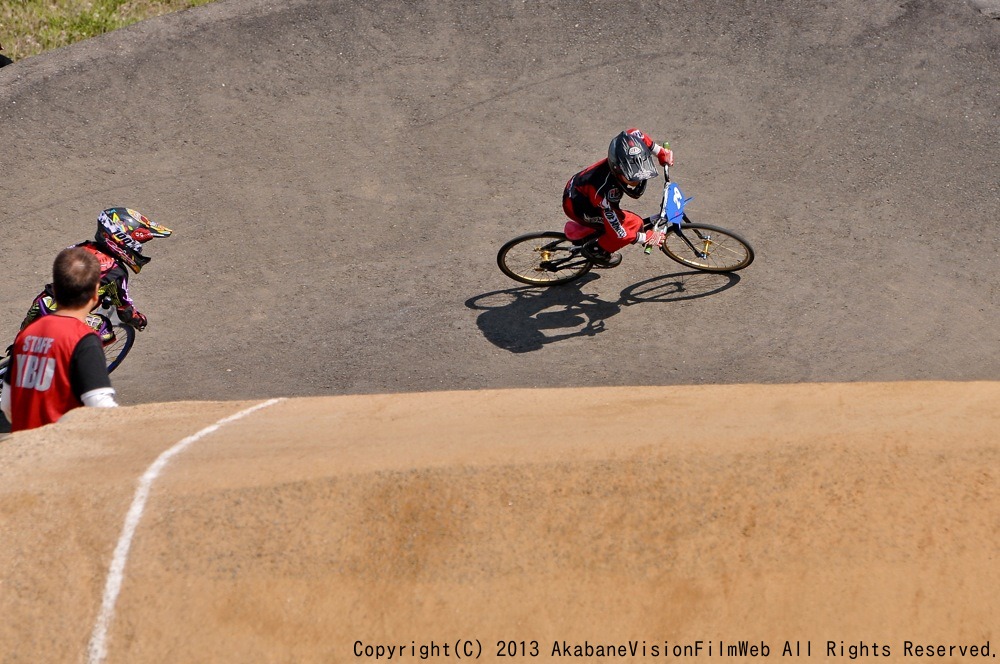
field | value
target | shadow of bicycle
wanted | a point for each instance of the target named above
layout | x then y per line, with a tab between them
526	319
678	287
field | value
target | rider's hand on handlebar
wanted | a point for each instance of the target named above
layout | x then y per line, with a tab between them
666	157
652	238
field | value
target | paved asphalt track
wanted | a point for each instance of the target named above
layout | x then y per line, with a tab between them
340	175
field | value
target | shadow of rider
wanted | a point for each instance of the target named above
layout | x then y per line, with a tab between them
522	320
531	317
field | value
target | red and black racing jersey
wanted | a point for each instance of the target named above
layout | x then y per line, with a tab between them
114	285
594	194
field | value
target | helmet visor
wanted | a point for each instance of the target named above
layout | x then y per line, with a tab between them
637	168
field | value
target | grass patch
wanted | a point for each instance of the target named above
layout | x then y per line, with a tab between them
30	27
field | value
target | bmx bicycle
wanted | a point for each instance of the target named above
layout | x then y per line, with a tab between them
549	258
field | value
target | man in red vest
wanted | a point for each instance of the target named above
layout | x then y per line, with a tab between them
58	361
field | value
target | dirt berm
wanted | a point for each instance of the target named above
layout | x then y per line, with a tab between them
314	528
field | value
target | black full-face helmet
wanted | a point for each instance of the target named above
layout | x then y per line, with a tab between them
121	232
631	162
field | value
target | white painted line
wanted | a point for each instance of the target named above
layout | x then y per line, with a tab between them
97	650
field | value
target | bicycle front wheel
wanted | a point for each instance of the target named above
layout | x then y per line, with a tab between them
118	348
542	259
708	248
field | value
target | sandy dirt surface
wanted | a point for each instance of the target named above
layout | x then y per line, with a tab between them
805	451
861	515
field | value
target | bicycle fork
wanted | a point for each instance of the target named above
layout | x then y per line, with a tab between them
657	223
706	243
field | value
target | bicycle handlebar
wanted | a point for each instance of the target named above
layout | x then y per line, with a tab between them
666	181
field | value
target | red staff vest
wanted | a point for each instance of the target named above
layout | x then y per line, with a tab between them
39	373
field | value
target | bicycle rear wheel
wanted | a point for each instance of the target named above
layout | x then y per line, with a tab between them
708	248
542	259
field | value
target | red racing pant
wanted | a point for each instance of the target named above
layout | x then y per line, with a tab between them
582	226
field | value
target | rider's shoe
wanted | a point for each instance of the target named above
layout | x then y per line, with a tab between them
601	256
